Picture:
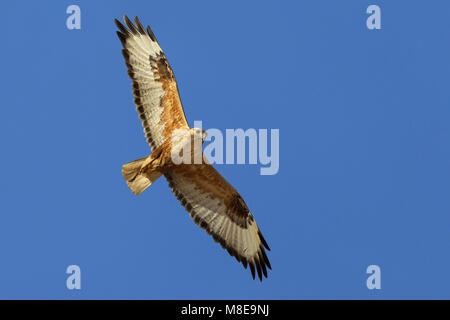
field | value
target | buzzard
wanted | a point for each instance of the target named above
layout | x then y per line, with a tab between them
212	202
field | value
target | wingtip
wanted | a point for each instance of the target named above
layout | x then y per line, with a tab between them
139	25
265	259
135	28
263	241
130	25
252	269
121	27
122	37
258	269
263	265
151	34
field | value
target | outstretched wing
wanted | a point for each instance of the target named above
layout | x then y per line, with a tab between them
217	207
154	86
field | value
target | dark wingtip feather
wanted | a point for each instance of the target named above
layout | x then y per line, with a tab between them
139	25
252	269
121	27
263	265
150	33
130	25
266	260
126	55
122	37
258	269
263	241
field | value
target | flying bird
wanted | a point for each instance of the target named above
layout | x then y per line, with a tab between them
212	202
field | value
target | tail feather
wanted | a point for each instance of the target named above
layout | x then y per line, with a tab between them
138	180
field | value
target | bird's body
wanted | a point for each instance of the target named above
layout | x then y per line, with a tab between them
212	202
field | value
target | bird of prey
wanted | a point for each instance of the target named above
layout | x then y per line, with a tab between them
212	202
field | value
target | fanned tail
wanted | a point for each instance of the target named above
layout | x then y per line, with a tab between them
139	178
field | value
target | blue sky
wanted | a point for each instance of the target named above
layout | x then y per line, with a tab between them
364	149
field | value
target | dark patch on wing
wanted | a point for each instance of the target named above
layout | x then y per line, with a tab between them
238	211
238	206
164	68
163	72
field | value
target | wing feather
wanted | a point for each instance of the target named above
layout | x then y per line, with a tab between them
218	208
154	86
